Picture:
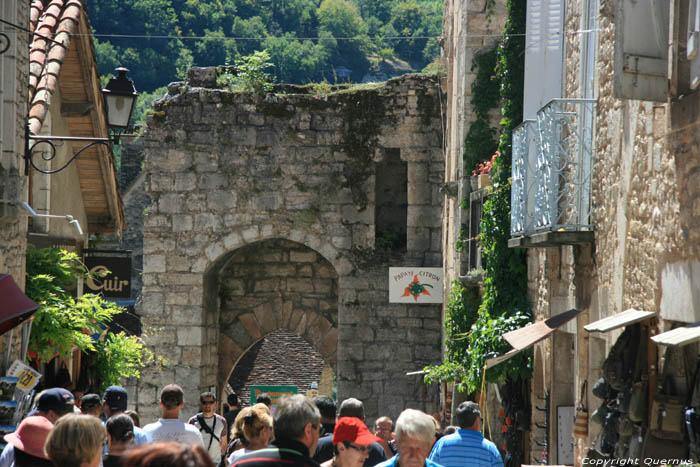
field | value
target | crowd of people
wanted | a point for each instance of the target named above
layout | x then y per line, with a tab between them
93	431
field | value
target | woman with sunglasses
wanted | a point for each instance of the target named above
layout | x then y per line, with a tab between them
351	439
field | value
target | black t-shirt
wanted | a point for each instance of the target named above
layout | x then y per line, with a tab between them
109	460
22	459
230	416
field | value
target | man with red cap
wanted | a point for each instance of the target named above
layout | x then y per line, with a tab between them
351	440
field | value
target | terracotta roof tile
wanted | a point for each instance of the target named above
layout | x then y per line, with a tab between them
56	22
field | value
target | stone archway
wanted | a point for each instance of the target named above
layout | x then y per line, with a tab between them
270	285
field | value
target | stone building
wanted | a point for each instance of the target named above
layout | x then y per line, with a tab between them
604	197
283	212
605	200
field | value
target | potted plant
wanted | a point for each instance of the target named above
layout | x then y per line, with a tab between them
483	172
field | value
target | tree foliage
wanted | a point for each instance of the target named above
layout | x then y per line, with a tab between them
63	322
217	32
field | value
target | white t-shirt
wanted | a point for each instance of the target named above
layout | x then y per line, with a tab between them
218	425
236	454
169	429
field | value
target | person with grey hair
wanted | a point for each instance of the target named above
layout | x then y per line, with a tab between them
415	434
350	407
297	427
467	446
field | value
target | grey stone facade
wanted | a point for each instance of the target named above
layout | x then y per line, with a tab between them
302	177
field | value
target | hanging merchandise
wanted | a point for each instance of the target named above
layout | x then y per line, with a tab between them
581	420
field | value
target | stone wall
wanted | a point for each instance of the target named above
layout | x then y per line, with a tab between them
13	183
227	171
13	223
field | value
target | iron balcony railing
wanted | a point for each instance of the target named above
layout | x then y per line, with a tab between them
551	169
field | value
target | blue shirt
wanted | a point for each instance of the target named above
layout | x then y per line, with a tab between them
393	462
466	447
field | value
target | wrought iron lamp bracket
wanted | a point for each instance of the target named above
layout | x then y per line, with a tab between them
32	141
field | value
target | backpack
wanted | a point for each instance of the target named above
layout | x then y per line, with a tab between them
619	365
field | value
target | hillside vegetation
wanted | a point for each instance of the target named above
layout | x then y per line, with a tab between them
307	40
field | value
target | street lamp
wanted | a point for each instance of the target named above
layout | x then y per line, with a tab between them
119	98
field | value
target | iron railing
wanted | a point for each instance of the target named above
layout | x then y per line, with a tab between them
551	169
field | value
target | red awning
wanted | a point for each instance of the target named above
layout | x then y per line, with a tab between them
15	307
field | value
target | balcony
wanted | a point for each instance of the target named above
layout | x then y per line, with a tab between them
551	176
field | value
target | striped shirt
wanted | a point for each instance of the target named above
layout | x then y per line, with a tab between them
466	447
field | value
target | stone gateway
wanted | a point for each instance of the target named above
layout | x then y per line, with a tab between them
283	212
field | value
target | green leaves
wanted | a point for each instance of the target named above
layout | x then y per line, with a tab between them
503	306
64	322
250	76
120	356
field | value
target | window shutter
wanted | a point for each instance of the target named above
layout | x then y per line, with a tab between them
694	42
544	54
641	50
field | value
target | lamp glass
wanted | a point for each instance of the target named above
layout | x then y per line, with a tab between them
119	109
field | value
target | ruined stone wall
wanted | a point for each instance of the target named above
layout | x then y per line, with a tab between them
231	170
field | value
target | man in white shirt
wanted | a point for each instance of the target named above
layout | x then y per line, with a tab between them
212	427
169	427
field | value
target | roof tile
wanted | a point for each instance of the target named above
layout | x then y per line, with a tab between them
56	22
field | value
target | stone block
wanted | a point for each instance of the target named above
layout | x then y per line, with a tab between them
232	240
280	270
302	324
424	216
268	201
161	182
266	318
221	201
189	335
417	239
302	256
267	286
250	234
417	173
153	263
251	325
419	194
214	251
185	181
300	285
207	221
191	356
329	345
176	298
170	203
304	270
186	315
213	181
182	223
294	320
318	329
284	314
352	216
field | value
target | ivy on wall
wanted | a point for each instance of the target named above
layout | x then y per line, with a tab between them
473	337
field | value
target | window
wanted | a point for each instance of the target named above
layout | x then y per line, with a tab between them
391	206
641	50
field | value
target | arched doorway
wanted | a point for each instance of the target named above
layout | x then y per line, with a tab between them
276	285
281	358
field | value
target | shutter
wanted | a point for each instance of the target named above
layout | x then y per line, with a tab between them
641	50
694	42
544	54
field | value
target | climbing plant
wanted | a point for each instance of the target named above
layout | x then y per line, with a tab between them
504	306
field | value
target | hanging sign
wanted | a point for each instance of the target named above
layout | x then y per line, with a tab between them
415	285
116	284
27	377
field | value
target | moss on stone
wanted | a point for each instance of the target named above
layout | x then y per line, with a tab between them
364	114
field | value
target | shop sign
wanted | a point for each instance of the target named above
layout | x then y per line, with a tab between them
275	392
27	377
415	285
116	284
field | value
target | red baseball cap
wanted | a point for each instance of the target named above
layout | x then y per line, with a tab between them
354	430
31	436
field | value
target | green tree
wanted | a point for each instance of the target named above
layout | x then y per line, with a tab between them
297	61
251	27
341	20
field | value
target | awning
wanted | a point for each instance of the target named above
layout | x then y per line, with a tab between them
619	320
679	336
16	307
529	335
